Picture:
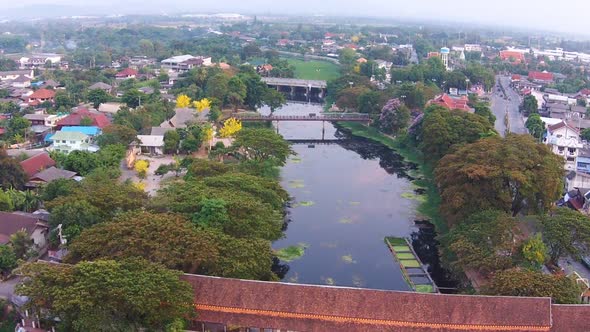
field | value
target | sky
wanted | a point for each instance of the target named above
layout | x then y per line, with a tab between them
561	16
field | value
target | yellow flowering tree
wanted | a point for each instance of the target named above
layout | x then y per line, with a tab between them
202	104
208	131
139	185
230	127
183	101
141	167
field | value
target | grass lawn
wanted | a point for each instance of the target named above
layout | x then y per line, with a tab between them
314	69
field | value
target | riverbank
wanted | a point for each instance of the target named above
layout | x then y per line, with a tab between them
424	173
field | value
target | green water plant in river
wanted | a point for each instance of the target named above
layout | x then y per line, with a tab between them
296	184
291	253
419	198
329	281
345	220
306	203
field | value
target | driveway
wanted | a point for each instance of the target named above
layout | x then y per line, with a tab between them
152	182
502	107
7	287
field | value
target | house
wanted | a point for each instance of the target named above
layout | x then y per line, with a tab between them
185	116
264	69
75	119
564	140
512	56
451	103
540	77
146	90
67	142
37	163
151	144
39	60
110	108
13	74
21	82
160	130
101	86
126	73
37	229
91	131
47	175
184	63
41	96
47	120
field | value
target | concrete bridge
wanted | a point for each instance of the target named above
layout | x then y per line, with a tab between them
335	117
294	86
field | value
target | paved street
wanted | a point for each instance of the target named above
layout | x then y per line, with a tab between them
7	287
501	106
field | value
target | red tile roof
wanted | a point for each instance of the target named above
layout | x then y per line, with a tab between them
98	119
585	92
451	103
540	76
42	94
561	124
324	308
516	77
508	55
37	163
127	72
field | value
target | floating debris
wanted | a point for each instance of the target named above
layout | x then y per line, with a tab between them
291	253
357	281
296	184
306	203
329	281
294	278
348	259
345	220
296	160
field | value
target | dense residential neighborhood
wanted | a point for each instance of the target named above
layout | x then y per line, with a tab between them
228	172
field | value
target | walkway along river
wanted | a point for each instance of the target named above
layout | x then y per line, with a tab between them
347	197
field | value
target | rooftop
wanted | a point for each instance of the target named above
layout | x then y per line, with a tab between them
68	136
37	163
87	130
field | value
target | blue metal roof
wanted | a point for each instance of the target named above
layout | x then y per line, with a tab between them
48	137
88	130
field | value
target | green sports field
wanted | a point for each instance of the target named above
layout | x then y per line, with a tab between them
314	69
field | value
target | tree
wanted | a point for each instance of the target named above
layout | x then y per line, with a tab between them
370	102
74	216
167	239
535	251
506	174
213	214
230	127
17	126
347	59
237	91
442	129
261	145
529	104
107	295
565	233
394	117
12	174
57	188
21	244
141	167
586	134
116	134
274	99
81	162
521	282
243	259
6	203
183	101
485	241
202	104
97	97
171	141
132	98
483	109
64	100
217	86
7	259
535	126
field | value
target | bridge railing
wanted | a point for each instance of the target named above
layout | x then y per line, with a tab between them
322	117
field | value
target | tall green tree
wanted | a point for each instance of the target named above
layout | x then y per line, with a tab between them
566	232
261	145
506	174
535	126
530	105
12	174
97	97
521	282
442	129
108	295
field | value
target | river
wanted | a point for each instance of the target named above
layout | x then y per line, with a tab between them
347	197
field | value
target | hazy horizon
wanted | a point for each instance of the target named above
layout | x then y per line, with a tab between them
538	15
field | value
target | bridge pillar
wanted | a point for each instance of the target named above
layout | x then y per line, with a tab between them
323	129
278	127
292	91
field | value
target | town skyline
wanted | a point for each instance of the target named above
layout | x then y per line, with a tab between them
525	14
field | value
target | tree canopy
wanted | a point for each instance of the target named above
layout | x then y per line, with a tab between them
12	174
566	232
498	173
262	145
107	295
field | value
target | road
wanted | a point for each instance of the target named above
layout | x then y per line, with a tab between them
509	105
7	287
